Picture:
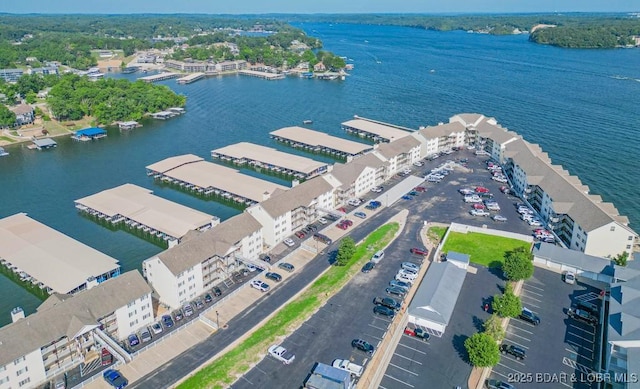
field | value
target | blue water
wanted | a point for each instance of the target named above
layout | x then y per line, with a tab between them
579	105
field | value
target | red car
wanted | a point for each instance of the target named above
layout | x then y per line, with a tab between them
342	226
300	234
481	189
420	189
478	206
419	251
342	209
348	222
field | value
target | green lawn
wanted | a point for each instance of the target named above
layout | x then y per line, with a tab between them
485	250
224	370
436	233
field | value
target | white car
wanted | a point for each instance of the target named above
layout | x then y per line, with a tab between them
410	266
354	202
535	223
499	218
569	277
323	221
377	189
401	277
407	171
479	212
410	274
472	199
156	328
466	191
289	242
493	207
418	164
499	179
261	286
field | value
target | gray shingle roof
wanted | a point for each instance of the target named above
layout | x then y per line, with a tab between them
348	173
402	145
217	241
442	130
66	315
573	258
300	195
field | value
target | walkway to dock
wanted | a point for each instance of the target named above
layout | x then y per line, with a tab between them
193	173
319	142
245	153
159	77
190	78
263	75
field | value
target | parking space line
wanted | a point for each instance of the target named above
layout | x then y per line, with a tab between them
517	344
402	382
575	365
531	298
528	285
411	348
582	329
377	328
532	292
403	369
510	368
581	337
519	329
522	337
500	374
516	361
407	358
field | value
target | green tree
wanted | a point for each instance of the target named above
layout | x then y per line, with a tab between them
482	349
31	97
493	327
518	264
507	304
345	251
7	118
621	259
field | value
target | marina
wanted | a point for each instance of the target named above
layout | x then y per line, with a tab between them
48	260
136	208
194	174
375	130
272	160
193	77
88	134
168	114
43	144
319	142
262	75
159	77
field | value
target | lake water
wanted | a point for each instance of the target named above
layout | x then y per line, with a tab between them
579	105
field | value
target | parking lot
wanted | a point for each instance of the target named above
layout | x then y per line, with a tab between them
560	351
439	360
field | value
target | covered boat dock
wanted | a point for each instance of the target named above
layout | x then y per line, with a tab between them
375	130
319	142
129	125
88	134
261	157
138	208
50	260
44	143
195	174
159	77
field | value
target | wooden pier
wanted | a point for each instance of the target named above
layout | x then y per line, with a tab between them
263	75
159	77
190	78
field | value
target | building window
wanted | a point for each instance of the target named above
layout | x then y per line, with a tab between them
630	237
18	360
613	228
628	247
146	316
4	380
24	382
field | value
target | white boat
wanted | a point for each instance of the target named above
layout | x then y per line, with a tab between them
307	121
3	152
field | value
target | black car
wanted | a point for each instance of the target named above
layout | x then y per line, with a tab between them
273	276
133	340
582	316
387	302
587	306
395	291
363	345
286	266
384	311
516	351
216	291
167	321
322	238
208	298
265	257
368	267
529	316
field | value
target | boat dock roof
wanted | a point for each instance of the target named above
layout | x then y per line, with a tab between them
141	206
48	256
375	129
194	170
263	75
320	140
159	77
261	156
44	143
190	78
90	132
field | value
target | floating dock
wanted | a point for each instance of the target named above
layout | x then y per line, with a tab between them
159	77
190	78
263	75
44	143
48	259
375	130
193	173
319	142
137	208
274	161
88	134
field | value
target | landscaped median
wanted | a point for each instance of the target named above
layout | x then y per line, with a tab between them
226	369
483	249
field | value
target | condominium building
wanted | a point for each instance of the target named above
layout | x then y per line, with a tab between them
443	137
71	330
11	75
400	153
204	259
359	176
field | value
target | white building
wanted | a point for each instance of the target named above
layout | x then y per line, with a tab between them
204	259
399	153
436	139
68	330
358	176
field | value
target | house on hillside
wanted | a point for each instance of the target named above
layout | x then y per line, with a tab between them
24	114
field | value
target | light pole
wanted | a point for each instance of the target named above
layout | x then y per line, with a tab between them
217	320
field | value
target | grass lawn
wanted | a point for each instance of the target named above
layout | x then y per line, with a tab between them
7	139
436	233
485	250
224	370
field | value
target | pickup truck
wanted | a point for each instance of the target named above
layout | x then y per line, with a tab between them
346	365
280	353
582	315
387	302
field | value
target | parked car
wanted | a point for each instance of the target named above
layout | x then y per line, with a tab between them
535	222
477	206
499	218
406	276
472	199
569	277
466	191
273	276
396	291
377	257
418	164
410	266
400	284
208	298
516	351
289	242
145	335
323	221
199	304
354	202
115	379
216	291
418	333
286	266
156	328
377	189
387	302
188	310
368	267
495	384
300	234
479	212
529	316
481	189
487	196
419	251
384	311
420	189
106	358
582	316
322	238
413	193
407	197
133	340
361	215
362	345
167	321
342	225
178	315
347	365
261	286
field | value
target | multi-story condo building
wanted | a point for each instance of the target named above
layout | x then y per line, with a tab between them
204	259
11	75
400	153
443	137
581	220
71	330
358	176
